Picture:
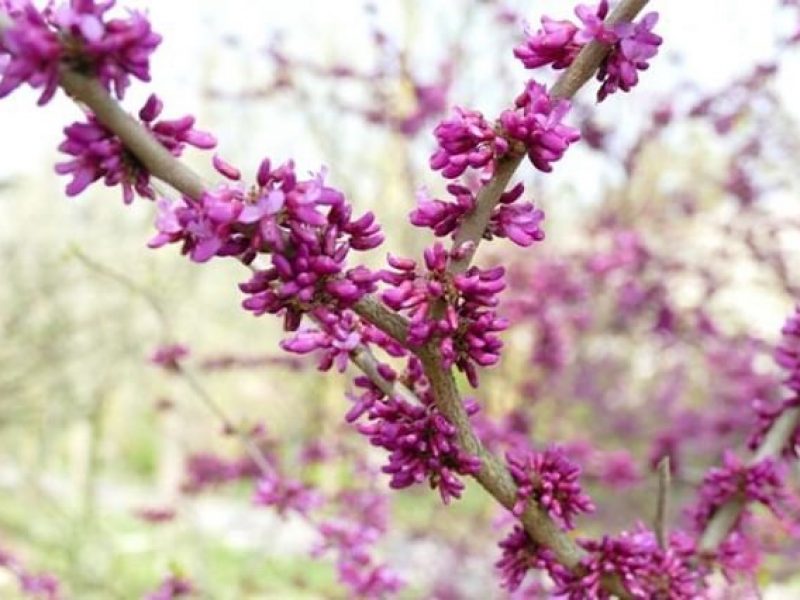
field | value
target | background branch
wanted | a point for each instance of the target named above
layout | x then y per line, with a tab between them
727	515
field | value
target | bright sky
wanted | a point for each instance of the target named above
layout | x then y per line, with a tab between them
706	42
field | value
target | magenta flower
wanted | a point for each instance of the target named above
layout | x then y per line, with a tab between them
285	494
169	356
422	446
787	355
75	35
32	52
520	554
558	43
594	29
99	154
554	44
466	140
761	482
356	567
305	226
421	442
637	45
337	337
550	480
518	221
112	50
537	123
467	327
43	586
206	228
646	570
206	470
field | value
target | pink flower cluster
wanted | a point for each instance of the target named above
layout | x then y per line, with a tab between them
761	482
518	221
456	310
78	35
536	122
169	356
557	44
520	555
466	140
550	480
421	442
645	568
99	154
205	470
361	521
338	335
285	494
305	226
357	569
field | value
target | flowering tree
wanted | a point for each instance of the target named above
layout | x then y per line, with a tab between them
416	328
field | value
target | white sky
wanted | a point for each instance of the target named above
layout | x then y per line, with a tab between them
715	39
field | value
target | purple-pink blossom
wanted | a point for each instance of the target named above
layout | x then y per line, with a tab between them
557	43
761	482
516	220
645	568
550	480
169	356
306	227
636	46
285	494
97	153
422	443
456	310
32	52
76	35
336	337
466	140
536	121
519	555
554	44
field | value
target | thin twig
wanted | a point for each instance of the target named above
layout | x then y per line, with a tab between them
662	502
247	440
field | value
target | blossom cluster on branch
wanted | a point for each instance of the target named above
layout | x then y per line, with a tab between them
296	234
